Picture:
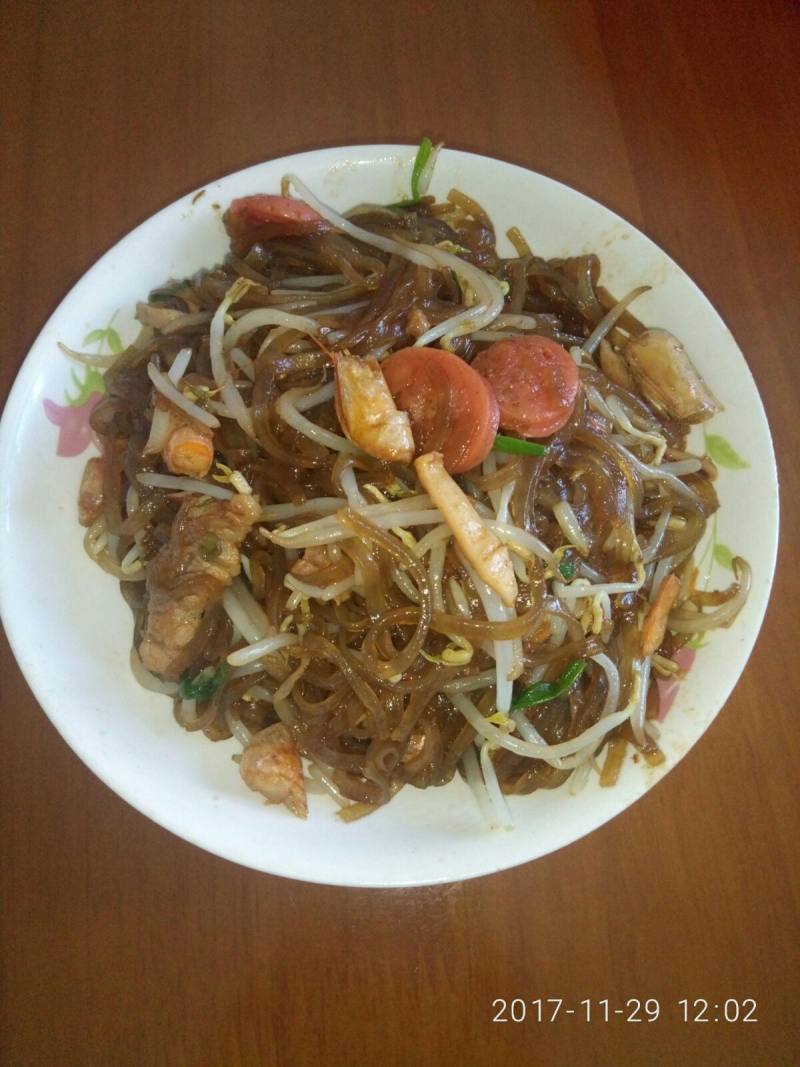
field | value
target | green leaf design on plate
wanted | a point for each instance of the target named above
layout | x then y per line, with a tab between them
113	341
723	453
94	336
92	382
723	555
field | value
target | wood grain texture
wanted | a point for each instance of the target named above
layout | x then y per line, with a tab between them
120	944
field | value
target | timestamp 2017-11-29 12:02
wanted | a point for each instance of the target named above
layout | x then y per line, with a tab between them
633	1010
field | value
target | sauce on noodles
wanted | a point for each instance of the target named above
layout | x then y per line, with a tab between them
330	553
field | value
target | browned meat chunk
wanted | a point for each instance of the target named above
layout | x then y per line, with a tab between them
271	766
189	576
666	378
90	496
315	561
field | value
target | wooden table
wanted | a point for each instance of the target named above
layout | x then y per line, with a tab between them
122	945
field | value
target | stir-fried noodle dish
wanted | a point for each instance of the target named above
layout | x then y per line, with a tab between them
389	506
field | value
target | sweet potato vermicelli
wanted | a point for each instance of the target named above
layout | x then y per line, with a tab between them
389	506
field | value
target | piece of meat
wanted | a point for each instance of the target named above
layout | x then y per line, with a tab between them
666	378
535	380
614	366
367	411
485	552
190	450
261	217
316	567
313	560
271	766
90	495
315	564
451	407
189	576
186	445
417	322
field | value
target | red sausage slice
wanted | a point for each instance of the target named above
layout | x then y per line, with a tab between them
452	409
261	217
535	380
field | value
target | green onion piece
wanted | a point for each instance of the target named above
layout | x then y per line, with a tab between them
517	446
204	685
542	692
567	570
423	154
422	161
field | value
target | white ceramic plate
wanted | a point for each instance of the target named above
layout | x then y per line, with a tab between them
71	631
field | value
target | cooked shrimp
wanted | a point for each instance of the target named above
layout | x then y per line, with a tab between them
367	411
313	560
271	766
488	556
190	450
316	566
186	446
655	625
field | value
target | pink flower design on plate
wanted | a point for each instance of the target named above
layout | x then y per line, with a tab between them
75	434
668	687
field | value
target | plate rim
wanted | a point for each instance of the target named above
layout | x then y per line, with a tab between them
16	402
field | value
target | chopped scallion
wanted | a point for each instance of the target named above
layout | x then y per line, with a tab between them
422	157
542	692
204	684
518	447
421	160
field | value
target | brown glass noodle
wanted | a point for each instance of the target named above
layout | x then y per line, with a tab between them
358	695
